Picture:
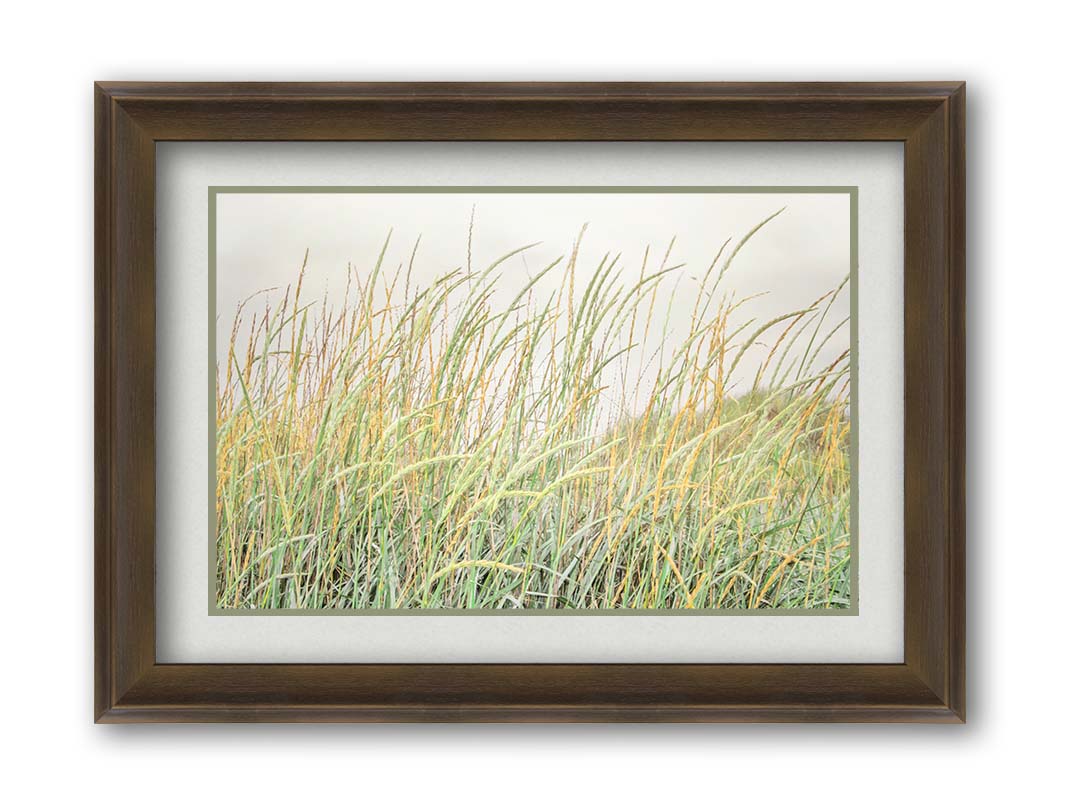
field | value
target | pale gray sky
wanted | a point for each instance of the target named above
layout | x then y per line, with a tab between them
804	252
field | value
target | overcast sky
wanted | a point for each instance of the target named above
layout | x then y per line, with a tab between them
803	253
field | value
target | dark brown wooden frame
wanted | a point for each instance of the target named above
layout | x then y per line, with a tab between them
927	687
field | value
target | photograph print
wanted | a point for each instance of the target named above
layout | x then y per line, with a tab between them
533	399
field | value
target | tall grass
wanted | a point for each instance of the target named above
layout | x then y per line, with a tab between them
440	446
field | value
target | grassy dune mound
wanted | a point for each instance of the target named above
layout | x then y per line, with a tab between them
442	447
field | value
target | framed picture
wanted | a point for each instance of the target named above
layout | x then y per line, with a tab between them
530	402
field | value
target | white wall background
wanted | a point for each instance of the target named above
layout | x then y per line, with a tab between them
1011	59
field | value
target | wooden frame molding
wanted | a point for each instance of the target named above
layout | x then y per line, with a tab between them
928	117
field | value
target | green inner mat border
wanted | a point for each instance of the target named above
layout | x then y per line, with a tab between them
852	191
